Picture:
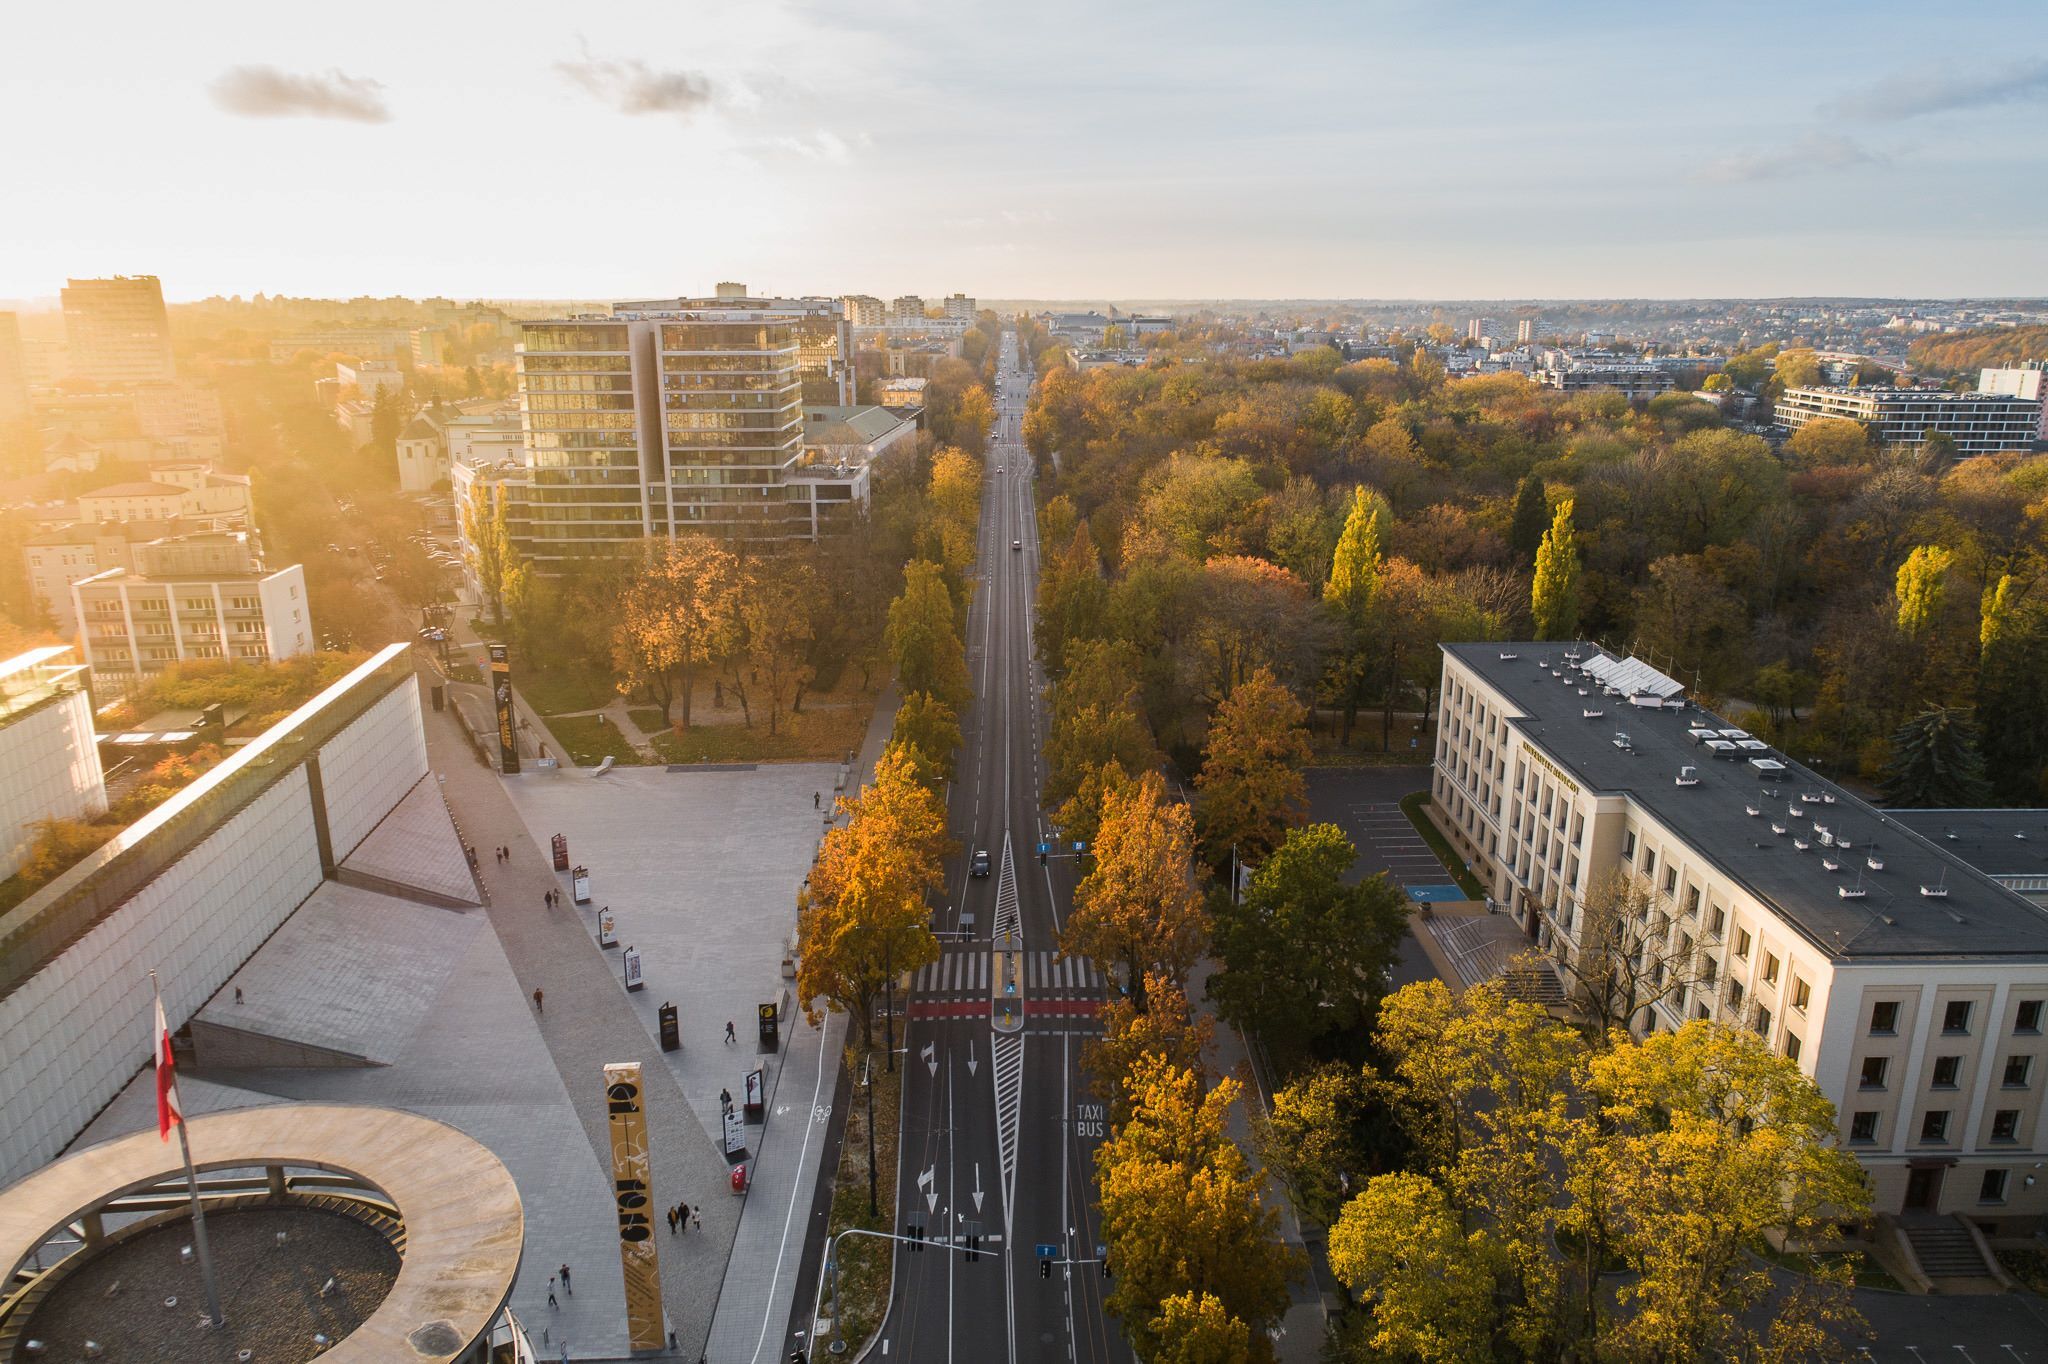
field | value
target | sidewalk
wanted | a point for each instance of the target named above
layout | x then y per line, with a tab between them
1298	1339
758	1296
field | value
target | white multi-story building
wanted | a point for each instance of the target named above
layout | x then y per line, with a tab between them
907	308
59	557
960	307
370	377
2024	381
1978	423
1637	380
865	310
189	597
1910	986
47	748
117	330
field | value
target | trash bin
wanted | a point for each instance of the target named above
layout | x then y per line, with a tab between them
739	1178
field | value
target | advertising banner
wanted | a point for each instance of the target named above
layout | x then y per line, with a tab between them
607	931
633	1193
632	963
501	695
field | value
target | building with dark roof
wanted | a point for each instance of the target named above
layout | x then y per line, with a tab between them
1907	982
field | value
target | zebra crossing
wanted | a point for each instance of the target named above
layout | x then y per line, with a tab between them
967	973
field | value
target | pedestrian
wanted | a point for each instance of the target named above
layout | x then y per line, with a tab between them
817	800
671	1340
565	1281
725	1100
671	1221
697	1218
538	1007
731	1037
683	1216
551	1292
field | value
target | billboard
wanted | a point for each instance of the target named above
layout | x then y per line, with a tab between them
633	1192
501	695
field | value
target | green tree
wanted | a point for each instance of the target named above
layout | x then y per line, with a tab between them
1554	596
924	644
493	559
1251	784
1403	1245
1935	762
1309	1143
1361	550
1306	956
1531	519
926	726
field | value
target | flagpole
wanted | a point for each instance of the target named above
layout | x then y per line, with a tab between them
213	1311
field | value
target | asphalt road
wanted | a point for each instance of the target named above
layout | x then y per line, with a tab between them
999	1134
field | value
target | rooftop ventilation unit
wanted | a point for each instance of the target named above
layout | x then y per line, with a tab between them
1778	829
1809	797
1874	862
1939	890
1801	844
1831	864
1509	657
1688	776
1751	811
1592	714
1621	741
1855	892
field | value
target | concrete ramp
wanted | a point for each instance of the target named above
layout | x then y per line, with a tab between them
414	852
345	982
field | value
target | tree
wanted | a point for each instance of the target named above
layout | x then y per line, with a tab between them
1181	1211
1936	763
1308	1141
777	600
1199	505
954	493
1554	597
862	919
1830	441
1254	614
2012	697
1919	587
1251	783
1165	1027
1139	907
1403	1245
1096	730
972	420
926	725
1629	955
493	559
1306	956
1531	519
1198	1329
924	643
1072	597
678	613
1361	548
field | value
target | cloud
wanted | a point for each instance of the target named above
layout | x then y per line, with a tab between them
266	92
1913	95
1813	153
634	87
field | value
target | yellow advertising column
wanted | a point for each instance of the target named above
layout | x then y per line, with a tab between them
633	1190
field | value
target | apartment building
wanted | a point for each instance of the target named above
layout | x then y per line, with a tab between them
1910	986
117	330
960	307
865	310
59	557
1636	380
2022	381
47	748
200	596
1978	423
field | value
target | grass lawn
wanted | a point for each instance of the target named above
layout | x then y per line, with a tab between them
865	1263
1409	742
1415	806
649	720
815	736
590	741
1866	1272
556	690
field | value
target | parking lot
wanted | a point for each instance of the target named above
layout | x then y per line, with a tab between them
1365	803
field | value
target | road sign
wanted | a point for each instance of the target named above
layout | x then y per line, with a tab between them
1044	848
1046	1252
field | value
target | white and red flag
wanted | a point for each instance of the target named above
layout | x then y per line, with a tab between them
167	1111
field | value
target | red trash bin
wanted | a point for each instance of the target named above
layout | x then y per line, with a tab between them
739	1178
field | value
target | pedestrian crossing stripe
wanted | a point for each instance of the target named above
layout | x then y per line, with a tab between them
968	973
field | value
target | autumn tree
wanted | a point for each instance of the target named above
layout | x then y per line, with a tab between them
1361	549
1254	614
679	611
1919	587
862	917
1531	519
1166	1027
1554	597
928	727
494	561
1196	1328
1309	1140
1629	955
777	600
1305	955
1096	728
1073	597
1251	784
1402	1245
1181	1211
972	420
954	494
924	642
1830	441
1139	907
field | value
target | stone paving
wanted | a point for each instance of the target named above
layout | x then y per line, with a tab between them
416	845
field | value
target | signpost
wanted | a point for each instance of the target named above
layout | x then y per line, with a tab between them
632	965
671	1034
735	1134
607	931
560	845
632	1192
756	1091
579	885
501	694
770	1025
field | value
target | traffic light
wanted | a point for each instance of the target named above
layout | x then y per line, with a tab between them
1041	855
916	1230
1105	1266
1045	1269
797	1357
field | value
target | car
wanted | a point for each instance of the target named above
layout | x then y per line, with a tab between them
979	867
1016	544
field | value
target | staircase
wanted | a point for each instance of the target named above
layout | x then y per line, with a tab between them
1944	1248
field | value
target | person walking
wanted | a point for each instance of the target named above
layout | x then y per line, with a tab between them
683	1216
697	1218
565	1281
731	1037
551	1292
817	800
538	1007
671	1221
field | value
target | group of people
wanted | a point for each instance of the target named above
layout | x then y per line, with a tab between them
683	1217
504	854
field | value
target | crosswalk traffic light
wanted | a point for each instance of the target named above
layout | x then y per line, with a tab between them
916	1230
1045	1269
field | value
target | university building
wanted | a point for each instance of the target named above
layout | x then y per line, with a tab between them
1986	423
1911	986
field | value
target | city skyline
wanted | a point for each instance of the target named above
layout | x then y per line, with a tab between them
1314	151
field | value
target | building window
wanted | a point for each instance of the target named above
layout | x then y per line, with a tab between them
1717	922
1993	1188
1742	944
1770	968
2005	1125
1671	880
1884	1017
2029	1017
1946	1068
1628	844
1692	899
2017	1069
1934	1125
1792	1046
1874	1068
1763	1021
1863	1126
1955	1018
1801	993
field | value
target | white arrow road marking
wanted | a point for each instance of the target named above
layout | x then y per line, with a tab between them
931	1059
971	1062
977	1186
924	1186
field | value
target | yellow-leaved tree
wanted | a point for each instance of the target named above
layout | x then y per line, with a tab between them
1139	907
1921	583
1554	594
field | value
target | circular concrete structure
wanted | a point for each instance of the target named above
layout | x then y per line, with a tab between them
422	1251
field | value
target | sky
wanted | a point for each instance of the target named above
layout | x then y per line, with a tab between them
1048	149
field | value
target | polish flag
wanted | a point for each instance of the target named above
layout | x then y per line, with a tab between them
167	1111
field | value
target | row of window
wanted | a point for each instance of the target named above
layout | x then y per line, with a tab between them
1956	1016
1934	1126
1947	1072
